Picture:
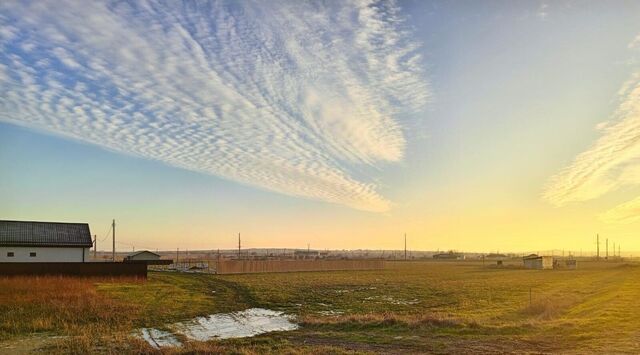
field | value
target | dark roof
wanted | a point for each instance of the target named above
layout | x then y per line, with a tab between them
142	252
52	234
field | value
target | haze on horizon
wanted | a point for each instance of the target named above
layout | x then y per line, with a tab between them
481	126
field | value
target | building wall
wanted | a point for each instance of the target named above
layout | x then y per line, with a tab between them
43	254
533	263
545	262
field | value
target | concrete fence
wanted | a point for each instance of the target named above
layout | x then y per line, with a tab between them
74	269
258	266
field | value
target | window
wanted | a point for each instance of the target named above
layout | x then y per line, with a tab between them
10	254
32	254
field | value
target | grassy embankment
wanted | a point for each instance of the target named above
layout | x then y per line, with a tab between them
410	307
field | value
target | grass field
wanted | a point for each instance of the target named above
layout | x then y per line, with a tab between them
438	307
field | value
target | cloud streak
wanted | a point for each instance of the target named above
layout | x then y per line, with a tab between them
294	97
612	162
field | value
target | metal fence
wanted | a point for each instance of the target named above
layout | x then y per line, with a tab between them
262	266
74	269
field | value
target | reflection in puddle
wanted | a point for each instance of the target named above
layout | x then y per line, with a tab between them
241	324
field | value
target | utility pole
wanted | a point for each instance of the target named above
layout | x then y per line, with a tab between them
614	250
113	228
177	256
619	250
95	247
598	246
239	246
607	250
405	246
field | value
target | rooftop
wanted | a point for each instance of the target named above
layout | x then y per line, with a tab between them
44	234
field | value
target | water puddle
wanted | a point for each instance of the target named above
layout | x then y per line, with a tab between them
158	338
330	313
247	323
392	300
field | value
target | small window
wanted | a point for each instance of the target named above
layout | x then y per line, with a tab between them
32	254
10	254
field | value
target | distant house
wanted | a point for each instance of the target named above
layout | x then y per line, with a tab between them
449	256
27	241
143	255
534	261
146	257
306	254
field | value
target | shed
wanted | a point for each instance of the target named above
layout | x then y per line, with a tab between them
534	261
31	241
571	264
146	257
142	255
449	256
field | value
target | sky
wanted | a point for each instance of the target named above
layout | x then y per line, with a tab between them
474	126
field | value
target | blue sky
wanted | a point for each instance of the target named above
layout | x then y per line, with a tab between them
344	124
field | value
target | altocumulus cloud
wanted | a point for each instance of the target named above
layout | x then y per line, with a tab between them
295	97
612	162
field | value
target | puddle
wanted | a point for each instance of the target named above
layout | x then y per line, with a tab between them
392	300
241	324
330	313
159	338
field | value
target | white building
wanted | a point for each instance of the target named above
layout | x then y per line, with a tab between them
32	242
534	261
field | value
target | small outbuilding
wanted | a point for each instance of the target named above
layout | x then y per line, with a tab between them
534	261
449	256
42	242
143	255
146	257
306	254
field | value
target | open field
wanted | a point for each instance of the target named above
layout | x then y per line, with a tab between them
437	307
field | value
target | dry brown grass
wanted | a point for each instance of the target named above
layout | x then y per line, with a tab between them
548	308
65	305
389	319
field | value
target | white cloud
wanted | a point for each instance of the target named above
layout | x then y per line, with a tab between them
613	161
634	43
543	11
627	212
289	96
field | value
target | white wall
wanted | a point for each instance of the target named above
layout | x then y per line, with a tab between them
21	254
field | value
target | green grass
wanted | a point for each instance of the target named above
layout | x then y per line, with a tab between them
438	307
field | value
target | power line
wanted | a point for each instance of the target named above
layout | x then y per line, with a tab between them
106	234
